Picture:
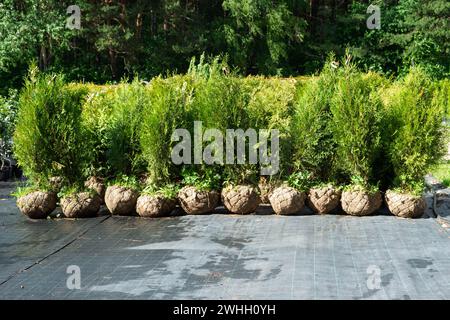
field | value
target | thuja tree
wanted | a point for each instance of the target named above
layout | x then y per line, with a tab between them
356	120
49	139
270	108
416	115
164	112
213	99
96	116
219	102
123	130
314	153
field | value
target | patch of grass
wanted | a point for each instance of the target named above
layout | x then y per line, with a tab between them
442	173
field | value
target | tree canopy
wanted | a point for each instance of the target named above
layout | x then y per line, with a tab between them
122	38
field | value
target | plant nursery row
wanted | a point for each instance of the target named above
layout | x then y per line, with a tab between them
347	140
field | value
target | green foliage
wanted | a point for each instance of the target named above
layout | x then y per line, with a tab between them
301	180
49	139
124	127
270	106
442	95
96	116
27	188
168	191
441	172
314	147
259	33
164	112
207	178
412	33
8	112
215	103
31	30
126	181
356	125
358	184
340	127
272	37
239	117
417	131
70	190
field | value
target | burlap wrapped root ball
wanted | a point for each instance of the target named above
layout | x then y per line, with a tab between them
97	185
195	201
360	202
154	206
324	200
81	205
37	204
286	200
405	205
241	199
121	200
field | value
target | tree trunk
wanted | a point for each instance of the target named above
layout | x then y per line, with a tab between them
314	8
113	63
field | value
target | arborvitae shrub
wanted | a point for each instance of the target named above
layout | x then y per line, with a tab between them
96	115
220	102
270	107
164	112
382	168
442	96
239	118
213	103
314	151
49	139
417	132
356	121
123	129
333	127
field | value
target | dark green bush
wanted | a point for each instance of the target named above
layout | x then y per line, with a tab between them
49	139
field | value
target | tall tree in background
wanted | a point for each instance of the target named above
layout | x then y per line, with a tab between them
30	29
259	33
413	32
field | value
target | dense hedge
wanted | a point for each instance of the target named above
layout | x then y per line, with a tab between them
341	127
